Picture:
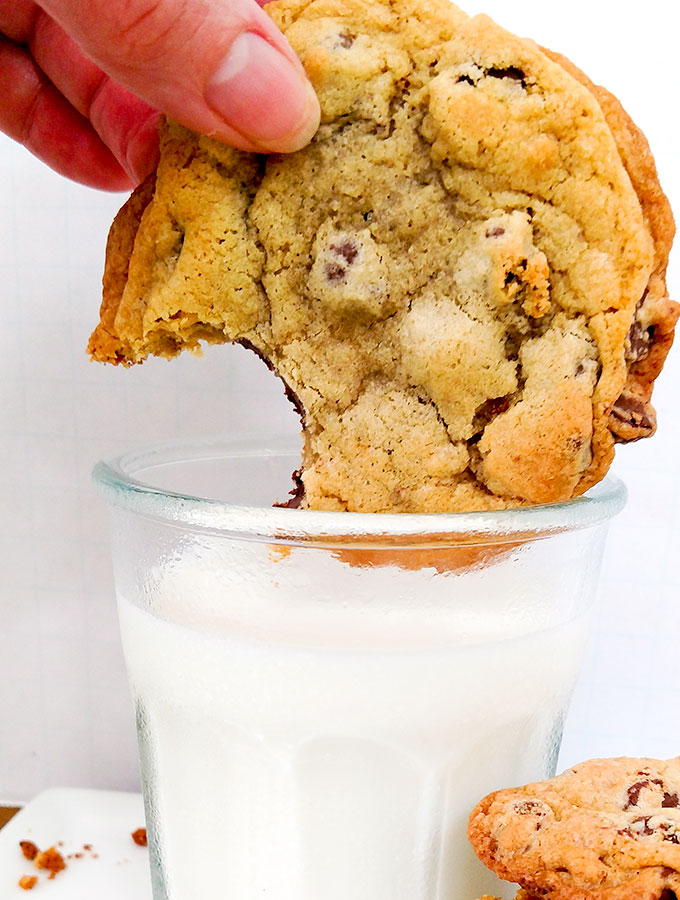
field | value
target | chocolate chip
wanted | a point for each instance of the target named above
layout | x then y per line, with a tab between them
638	342
670	801
334	272
496	231
646	826
634	412
488	410
669	831
345	40
639	338
297	494
511	72
634	791
641	826
347	250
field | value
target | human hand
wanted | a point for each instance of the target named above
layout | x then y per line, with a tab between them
82	81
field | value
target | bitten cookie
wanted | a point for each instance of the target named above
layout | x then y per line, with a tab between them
460	280
606	829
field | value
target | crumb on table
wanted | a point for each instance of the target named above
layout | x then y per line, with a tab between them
50	859
28	882
139	837
29	849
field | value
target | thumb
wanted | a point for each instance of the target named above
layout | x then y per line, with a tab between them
220	67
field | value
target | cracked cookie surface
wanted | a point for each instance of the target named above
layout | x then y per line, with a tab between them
460	280
608	828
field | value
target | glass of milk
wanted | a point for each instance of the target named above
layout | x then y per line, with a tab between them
323	697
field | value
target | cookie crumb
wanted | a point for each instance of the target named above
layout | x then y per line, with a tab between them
29	849
28	882
50	859
139	837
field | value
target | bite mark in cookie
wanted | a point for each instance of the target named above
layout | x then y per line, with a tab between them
461	279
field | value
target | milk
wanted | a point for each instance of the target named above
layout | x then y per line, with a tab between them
321	731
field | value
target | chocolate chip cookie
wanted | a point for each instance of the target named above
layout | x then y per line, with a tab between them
460	280
605	829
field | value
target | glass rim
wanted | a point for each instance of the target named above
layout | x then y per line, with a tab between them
116	482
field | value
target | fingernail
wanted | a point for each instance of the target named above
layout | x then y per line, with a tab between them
261	94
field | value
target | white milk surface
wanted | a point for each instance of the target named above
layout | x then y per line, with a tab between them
314	765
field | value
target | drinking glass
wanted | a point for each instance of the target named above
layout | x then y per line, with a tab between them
322	697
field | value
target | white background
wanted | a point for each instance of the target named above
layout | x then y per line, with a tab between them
65	717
